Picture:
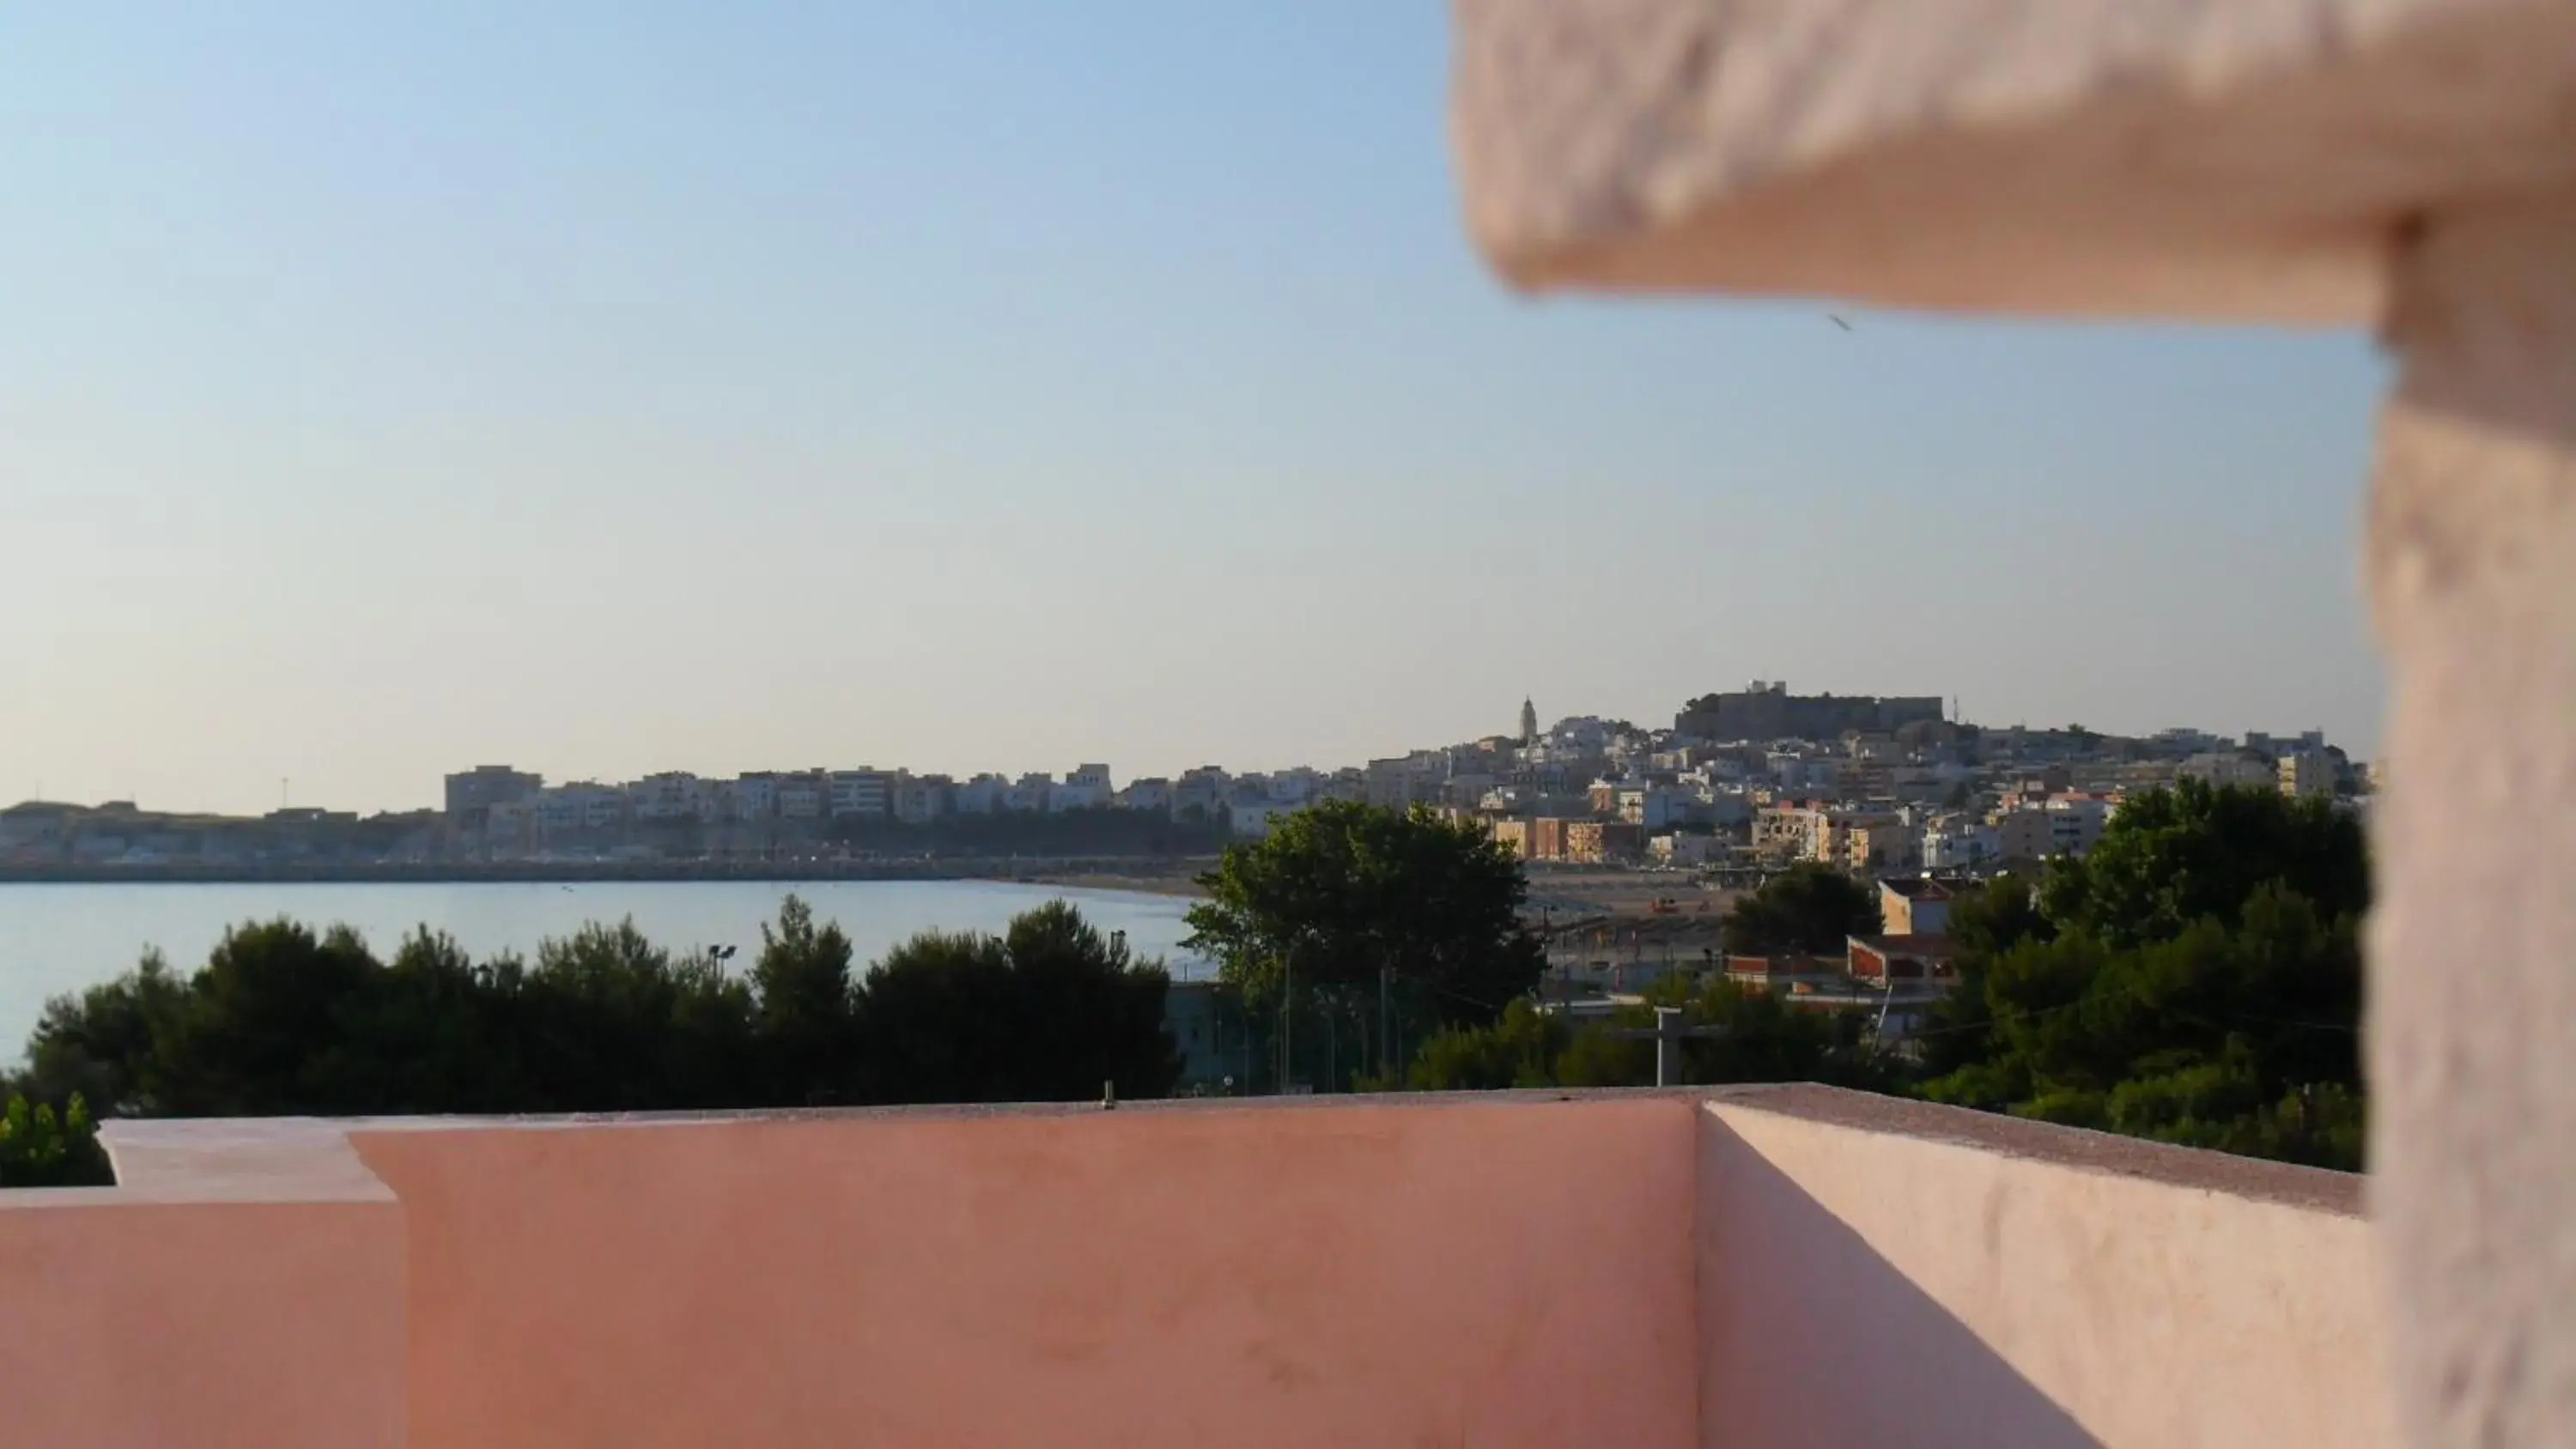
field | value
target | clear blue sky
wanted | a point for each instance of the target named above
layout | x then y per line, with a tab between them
610	387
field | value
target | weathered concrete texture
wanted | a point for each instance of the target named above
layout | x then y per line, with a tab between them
2473	1000
2200	158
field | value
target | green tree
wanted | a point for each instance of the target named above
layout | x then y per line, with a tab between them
1521	1048
1764	1036
1048	1011
40	1148
104	1043
1090	1010
614	1023
1810	908
2197	979
1384	922
262	1034
1751	1035
433	1032
1359	904
2172	858
933	1016
1985	922
807	1022
1595	1058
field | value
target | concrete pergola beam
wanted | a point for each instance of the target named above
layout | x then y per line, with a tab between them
2243	159
2404	164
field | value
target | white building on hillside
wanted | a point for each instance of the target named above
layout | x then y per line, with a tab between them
805	796
1086	788
1648	805
1152	795
1251	815
1958	842
920	799
580	805
1683	850
981	795
1030	795
1199	792
2076	821
669	795
862	792
2226	767
755	796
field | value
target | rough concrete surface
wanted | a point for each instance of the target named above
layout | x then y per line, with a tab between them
2244	159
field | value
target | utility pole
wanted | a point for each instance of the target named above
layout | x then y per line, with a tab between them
1287	1017
1665	1033
1385	1024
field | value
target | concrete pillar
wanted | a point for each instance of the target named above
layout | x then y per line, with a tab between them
2473	946
2409	164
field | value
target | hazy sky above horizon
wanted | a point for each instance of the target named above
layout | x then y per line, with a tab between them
608	388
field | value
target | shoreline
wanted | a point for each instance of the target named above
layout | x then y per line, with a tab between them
1151	876
1179	886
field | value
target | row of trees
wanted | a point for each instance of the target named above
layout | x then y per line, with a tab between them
1751	1035
282	1020
2195	979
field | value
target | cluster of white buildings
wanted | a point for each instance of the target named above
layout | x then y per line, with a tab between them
1920	793
500	798
1873	837
1925	794
504	803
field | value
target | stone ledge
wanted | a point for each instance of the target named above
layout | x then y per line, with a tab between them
311	1159
2234	159
2314	1188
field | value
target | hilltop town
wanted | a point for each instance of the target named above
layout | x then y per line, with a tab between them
1738	783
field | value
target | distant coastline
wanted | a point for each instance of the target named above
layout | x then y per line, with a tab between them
1150	875
1180	881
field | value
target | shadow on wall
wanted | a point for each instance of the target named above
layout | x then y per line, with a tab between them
1810	1338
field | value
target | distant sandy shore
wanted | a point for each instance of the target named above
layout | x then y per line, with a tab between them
1157	884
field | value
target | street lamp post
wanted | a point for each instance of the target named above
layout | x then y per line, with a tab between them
1664	1044
1287	1017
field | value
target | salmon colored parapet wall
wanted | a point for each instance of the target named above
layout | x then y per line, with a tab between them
1534	1269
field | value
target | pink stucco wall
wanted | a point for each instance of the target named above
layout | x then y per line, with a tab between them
1753	1267
1888	1273
141	1325
1427	1275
